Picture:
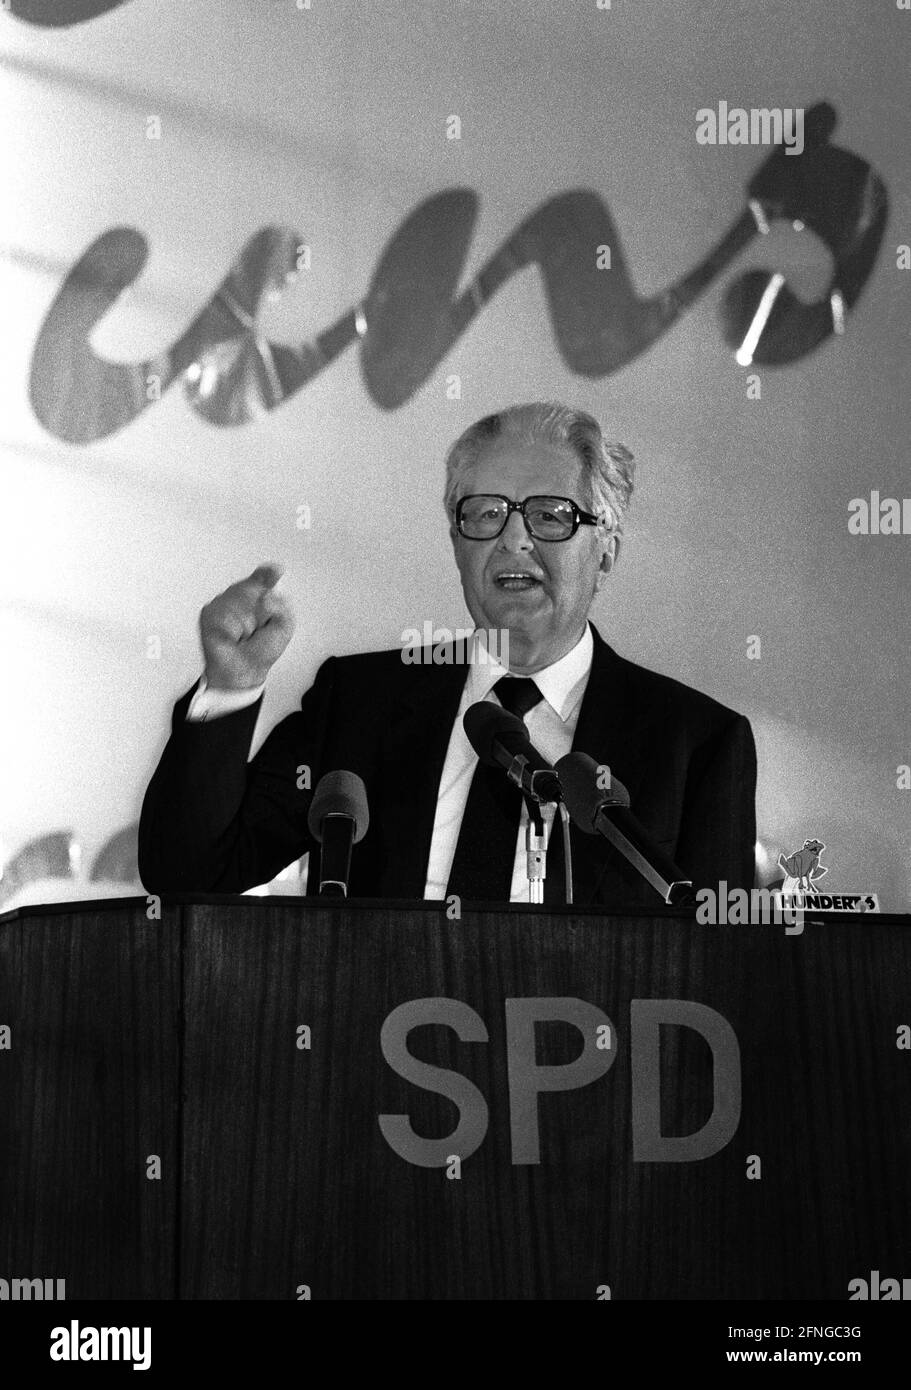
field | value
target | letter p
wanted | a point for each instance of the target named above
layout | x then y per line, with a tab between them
527	1079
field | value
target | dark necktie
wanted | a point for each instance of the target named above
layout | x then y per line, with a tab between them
486	850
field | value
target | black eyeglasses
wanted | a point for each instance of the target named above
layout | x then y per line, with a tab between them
483	516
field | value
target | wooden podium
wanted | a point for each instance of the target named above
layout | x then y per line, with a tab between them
282	1098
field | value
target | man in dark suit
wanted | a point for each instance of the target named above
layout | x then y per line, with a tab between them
536	500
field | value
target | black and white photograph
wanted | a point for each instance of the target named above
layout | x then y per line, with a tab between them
455	731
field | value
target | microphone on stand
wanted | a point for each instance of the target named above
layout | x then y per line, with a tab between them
338	819
605	811
500	739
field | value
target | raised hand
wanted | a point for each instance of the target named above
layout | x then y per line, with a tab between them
244	630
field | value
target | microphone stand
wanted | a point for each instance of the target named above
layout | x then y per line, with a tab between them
567	853
659	871
535	851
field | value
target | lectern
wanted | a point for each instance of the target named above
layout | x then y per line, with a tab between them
278	1098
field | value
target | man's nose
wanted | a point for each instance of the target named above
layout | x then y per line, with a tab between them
514	536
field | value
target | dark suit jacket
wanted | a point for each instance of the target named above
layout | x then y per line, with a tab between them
212	822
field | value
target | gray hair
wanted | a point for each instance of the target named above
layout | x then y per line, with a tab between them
609	466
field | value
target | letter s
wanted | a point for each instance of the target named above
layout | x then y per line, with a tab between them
397	1130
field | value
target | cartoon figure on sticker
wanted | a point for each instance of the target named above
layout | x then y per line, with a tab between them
802	867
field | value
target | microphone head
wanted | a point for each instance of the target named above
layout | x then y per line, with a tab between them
339	794
484	721
579	777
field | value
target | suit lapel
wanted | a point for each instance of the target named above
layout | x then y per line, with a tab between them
417	743
612	731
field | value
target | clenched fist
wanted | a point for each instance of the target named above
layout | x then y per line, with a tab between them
245	630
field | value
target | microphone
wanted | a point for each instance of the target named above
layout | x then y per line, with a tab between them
338	819
500	739
605	811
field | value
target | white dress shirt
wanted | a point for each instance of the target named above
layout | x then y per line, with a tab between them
209	704
551	726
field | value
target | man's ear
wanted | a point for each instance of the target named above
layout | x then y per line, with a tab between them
609	557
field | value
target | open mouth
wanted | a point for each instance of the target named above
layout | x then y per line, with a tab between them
517	582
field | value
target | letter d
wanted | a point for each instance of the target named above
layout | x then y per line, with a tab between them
649	1144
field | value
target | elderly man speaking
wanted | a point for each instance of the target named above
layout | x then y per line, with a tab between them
536	500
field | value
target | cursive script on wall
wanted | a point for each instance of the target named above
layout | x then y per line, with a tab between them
60	14
411	316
